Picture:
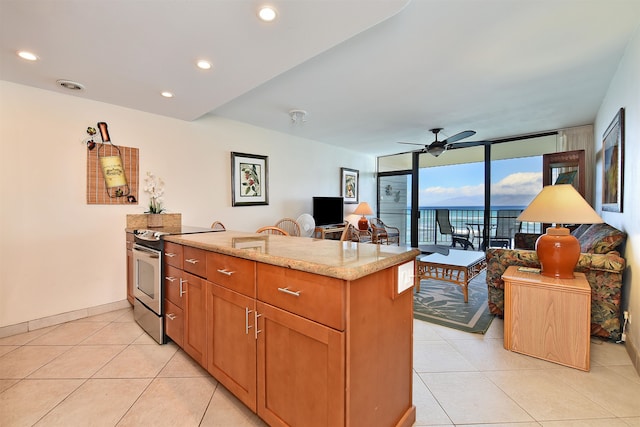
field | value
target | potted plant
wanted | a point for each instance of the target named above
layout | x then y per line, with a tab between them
155	187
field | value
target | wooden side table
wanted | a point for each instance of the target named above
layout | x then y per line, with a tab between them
547	318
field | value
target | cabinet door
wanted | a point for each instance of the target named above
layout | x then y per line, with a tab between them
173	322
301	371
231	341
195	313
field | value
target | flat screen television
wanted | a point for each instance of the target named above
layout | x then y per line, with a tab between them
328	210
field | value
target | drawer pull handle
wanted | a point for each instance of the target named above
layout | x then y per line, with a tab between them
191	261
171	316
182	291
246	320
225	272
171	279
290	292
256	331
169	254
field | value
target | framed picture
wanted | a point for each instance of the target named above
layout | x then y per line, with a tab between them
249	179
613	164
566	177
349	185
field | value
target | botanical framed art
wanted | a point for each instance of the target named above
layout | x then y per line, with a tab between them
613	164
249	179
349	185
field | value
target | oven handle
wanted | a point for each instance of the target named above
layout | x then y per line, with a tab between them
152	253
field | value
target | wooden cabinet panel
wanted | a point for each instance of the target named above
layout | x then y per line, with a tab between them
130	241
301	371
195	261
173	254
299	292
233	273
195	318
231	340
174	322
174	285
548	318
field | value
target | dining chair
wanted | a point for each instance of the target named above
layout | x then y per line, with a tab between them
217	225
271	229
289	225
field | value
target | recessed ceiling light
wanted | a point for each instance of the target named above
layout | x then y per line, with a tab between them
203	65
267	13
167	94
29	56
68	84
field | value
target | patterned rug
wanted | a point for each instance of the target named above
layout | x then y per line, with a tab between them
442	303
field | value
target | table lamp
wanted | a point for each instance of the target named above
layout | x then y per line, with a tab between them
559	251
363	209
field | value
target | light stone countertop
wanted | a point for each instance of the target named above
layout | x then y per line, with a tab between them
342	260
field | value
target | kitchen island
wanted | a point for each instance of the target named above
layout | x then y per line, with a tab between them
305	332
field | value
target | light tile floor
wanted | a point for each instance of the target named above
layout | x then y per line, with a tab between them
105	371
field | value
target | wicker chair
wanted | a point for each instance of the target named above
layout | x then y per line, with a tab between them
382	233
352	234
289	225
217	225
271	229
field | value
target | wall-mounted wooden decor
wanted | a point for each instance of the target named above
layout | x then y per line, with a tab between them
97	191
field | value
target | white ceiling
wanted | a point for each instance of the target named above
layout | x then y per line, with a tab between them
369	72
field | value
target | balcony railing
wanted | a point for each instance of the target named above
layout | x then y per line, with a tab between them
461	219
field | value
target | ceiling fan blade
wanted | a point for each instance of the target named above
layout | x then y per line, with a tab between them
467	144
459	136
410	143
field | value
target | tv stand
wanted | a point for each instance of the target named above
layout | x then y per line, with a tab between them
328	231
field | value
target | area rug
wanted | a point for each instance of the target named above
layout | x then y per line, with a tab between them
442	303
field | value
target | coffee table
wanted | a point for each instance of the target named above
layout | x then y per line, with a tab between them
458	267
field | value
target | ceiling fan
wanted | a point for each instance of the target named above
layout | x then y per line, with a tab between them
438	147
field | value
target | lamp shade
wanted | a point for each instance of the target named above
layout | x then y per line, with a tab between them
560	204
363	209
559	251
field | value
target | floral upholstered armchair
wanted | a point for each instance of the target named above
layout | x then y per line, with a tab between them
599	261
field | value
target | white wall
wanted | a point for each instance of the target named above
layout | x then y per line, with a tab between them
58	254
624	91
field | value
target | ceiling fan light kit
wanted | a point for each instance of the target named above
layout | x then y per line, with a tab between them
436	148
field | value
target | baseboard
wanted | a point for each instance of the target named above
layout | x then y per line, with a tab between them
634	354
32	325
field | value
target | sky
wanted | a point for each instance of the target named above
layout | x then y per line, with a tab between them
514	182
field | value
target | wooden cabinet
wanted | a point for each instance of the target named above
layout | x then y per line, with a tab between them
185	300
129	242
301	371
231	340
548	318
297	348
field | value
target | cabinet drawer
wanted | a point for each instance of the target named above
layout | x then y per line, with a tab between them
233	273
318	298
194	261
173	254
174	322
173	288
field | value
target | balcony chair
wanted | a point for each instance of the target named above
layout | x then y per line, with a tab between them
506	228
460	237
271	229
382	233
289	225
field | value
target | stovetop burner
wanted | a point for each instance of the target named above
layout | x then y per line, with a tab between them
153	237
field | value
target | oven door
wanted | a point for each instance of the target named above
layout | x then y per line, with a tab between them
146	277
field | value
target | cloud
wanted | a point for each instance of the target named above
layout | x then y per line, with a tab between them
515	189
518	184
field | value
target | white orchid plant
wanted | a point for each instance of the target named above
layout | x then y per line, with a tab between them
155	187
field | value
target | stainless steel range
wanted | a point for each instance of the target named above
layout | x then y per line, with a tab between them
148	272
